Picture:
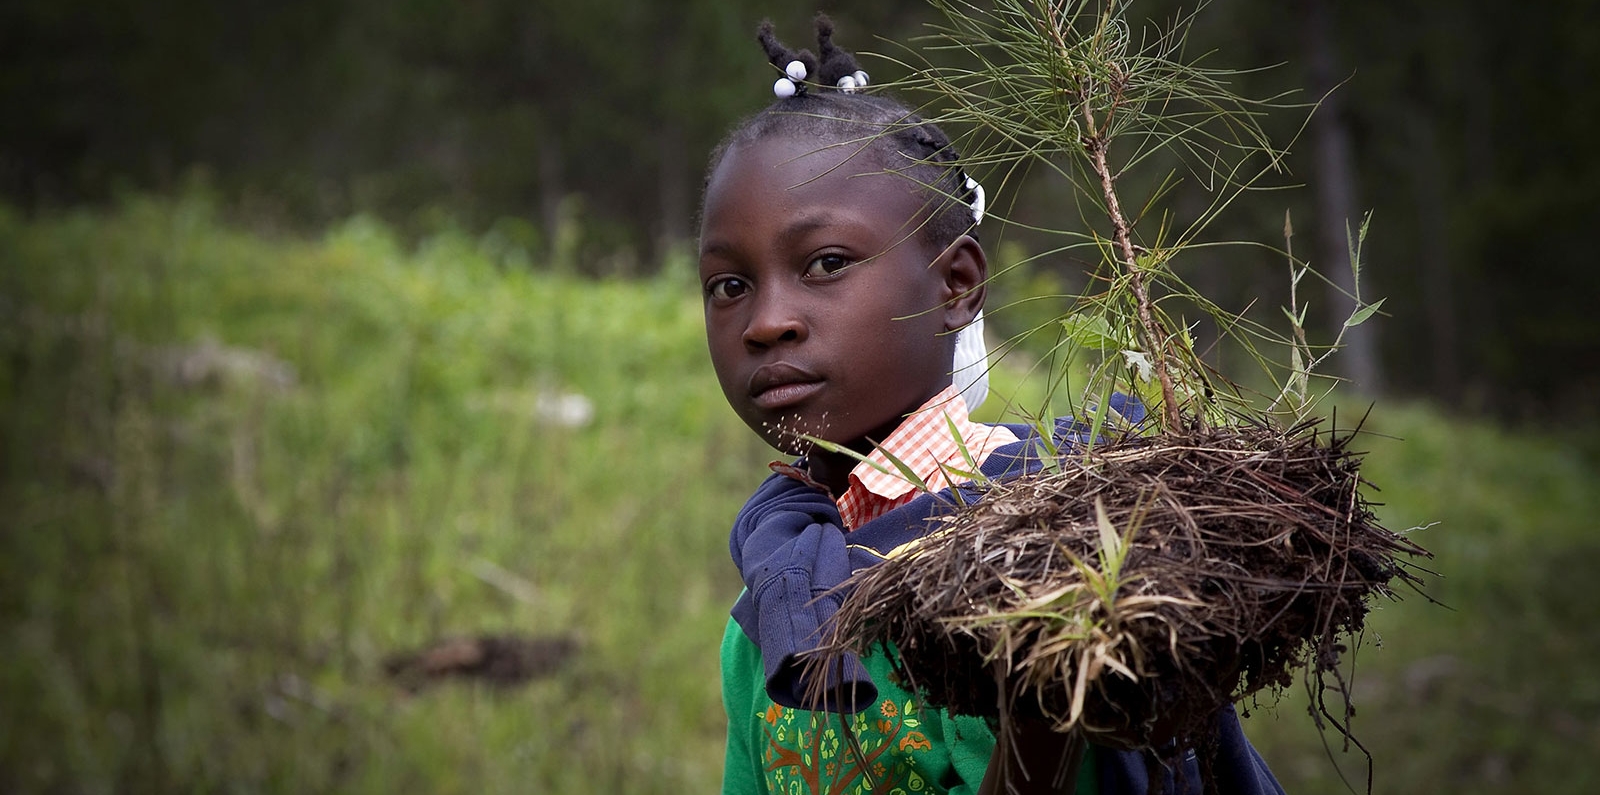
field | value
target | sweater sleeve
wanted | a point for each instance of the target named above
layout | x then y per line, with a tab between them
791	553
741	771
1236	767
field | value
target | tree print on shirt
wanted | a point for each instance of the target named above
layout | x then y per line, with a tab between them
808	753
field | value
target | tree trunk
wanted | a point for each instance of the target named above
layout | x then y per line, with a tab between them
1335	178
673	190
1433	254
551	191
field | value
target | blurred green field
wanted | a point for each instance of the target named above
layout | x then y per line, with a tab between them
240	472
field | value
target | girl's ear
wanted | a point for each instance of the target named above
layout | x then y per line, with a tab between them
966	274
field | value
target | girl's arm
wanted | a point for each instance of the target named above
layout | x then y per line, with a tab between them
791	553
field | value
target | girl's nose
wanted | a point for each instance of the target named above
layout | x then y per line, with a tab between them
774	321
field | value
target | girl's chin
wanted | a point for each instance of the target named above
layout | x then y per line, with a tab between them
793	433
792	442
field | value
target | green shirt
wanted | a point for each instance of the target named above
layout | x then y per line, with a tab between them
907	748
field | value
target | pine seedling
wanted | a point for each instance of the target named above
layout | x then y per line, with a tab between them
1067	87
1159	571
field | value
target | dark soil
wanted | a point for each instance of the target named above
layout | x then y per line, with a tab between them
497	659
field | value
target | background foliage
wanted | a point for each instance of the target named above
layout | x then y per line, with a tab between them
288	291
242	472
1464	131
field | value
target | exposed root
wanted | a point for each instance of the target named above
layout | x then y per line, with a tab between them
1140	589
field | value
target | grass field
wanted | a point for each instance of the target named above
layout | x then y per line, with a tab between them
240	473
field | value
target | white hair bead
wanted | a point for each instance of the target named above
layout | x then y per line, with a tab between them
861	79
795	70
784	88
847	84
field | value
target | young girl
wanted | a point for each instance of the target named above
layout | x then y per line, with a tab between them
840	266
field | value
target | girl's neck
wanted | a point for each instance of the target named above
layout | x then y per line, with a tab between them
832	469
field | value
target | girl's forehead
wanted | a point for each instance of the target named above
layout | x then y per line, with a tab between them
793	169
792	155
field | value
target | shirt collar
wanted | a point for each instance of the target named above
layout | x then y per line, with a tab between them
924	444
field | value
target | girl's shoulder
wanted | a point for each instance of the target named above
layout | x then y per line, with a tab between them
1067	433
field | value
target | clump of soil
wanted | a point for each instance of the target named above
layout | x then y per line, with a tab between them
1140	588
503	660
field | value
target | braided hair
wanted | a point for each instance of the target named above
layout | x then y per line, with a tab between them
889	135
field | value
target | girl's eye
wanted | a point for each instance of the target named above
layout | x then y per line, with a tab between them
827	264
727	288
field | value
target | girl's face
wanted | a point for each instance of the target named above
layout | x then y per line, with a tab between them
826	312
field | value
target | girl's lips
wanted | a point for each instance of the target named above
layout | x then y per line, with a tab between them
780	396
782	384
